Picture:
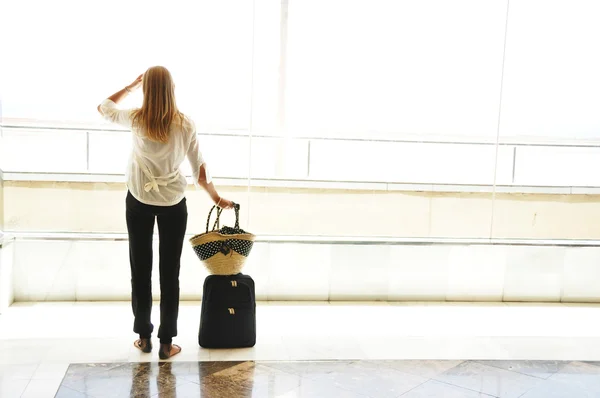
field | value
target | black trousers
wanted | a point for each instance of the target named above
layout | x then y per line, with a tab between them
172	223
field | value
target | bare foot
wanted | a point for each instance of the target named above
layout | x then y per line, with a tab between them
168	350
145	345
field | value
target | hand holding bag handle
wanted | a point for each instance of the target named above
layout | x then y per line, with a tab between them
217	223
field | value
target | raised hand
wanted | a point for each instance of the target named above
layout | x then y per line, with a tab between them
137	83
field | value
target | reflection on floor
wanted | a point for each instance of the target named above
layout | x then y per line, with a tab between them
40	341
407	379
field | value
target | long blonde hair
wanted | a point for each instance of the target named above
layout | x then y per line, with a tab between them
159	109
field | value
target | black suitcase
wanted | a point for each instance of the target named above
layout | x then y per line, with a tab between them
228	318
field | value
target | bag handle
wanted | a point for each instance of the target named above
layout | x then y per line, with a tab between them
236	207
217	224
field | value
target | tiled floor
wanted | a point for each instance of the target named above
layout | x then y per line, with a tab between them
356	379
38	342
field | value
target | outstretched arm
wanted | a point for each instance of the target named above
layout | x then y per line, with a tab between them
209	187
201	174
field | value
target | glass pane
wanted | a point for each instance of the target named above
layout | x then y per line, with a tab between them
552	78
58	69
390	118
407	68
42	151
550	121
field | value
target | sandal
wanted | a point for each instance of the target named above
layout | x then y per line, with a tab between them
168	350
144	345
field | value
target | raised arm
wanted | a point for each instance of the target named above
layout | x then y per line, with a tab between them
108	107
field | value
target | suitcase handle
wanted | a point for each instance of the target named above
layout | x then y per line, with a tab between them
217	224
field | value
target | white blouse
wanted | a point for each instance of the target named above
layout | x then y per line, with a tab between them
153	173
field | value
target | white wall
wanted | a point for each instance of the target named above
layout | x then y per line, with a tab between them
99	270
6	273
1	197
100	208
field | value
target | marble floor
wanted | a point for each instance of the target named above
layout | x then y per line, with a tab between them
481	348
351	379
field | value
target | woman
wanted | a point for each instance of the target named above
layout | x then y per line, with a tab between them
162	138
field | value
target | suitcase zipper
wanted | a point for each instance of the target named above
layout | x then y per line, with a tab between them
231	311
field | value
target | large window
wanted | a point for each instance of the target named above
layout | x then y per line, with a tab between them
418	117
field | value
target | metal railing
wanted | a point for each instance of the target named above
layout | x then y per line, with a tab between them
345	181
396	137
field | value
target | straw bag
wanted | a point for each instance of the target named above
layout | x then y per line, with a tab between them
223	251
